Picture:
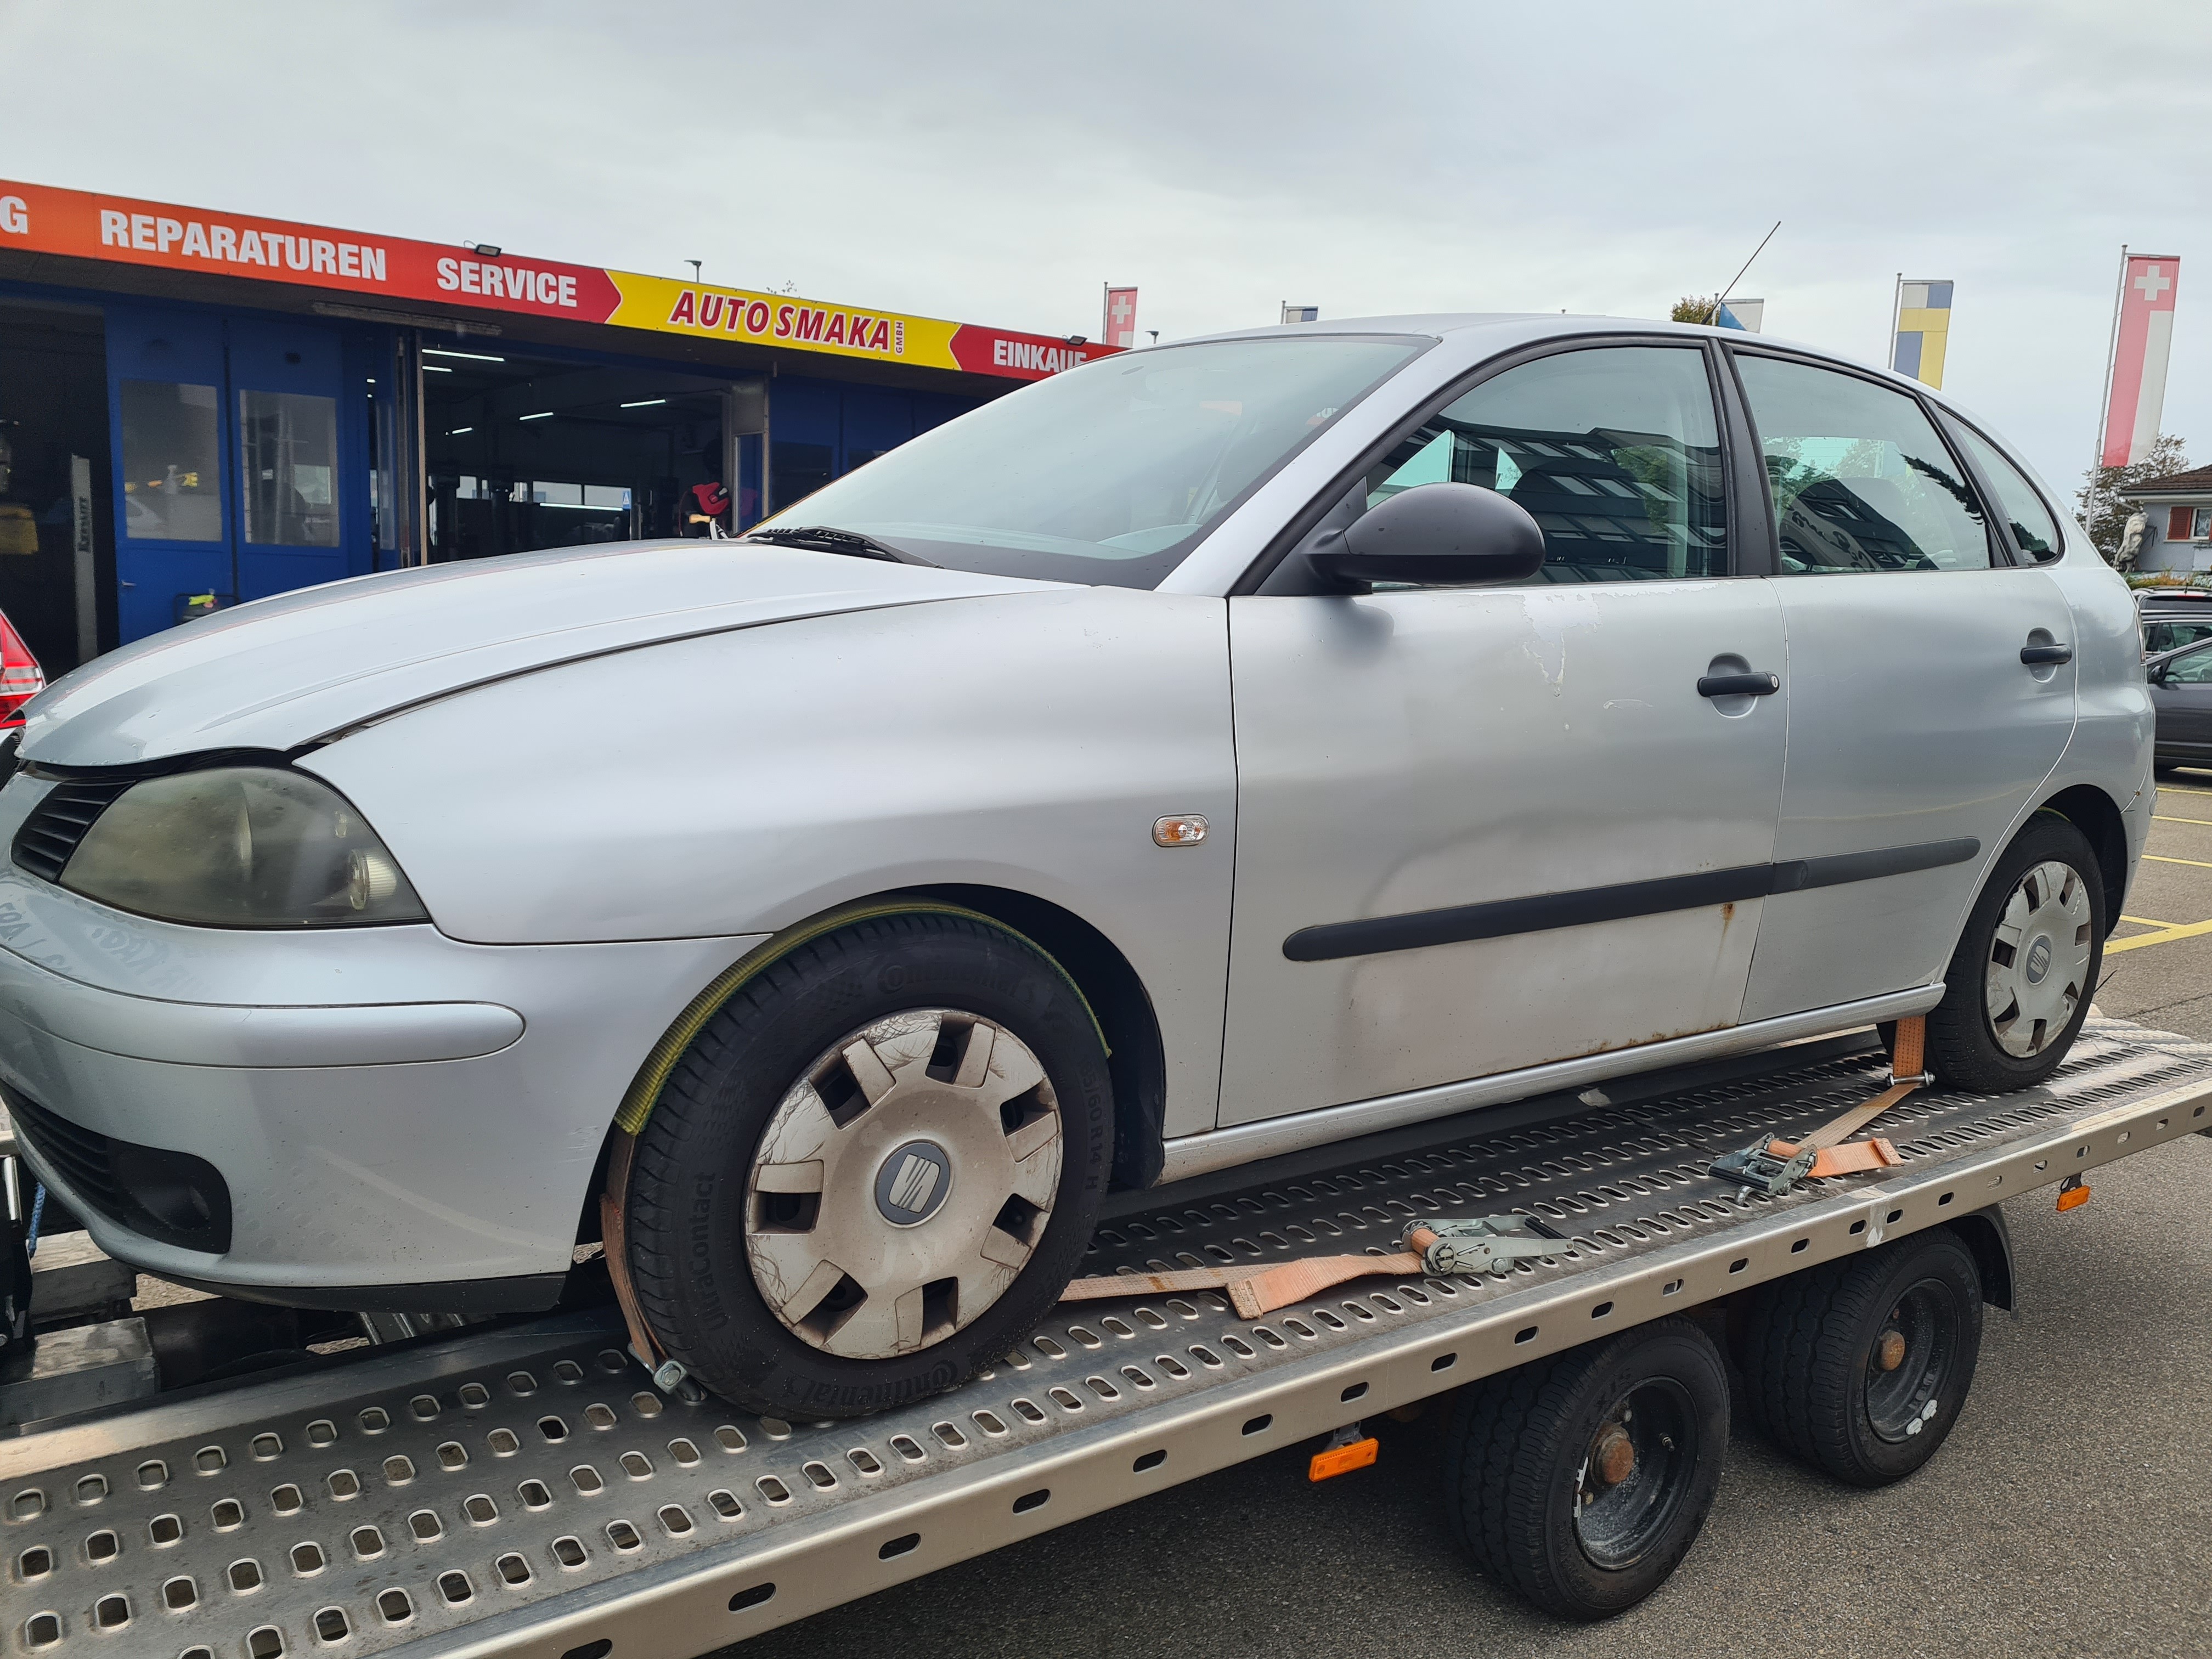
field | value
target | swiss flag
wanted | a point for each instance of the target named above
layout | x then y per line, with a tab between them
1120	330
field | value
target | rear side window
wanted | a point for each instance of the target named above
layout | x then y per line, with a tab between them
1613	451
2028	521
1860	481
2195	669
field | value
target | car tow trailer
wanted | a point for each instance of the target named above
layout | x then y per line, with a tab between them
519	1489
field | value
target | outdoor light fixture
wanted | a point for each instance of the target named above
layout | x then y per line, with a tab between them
647	403
484	248
473	356
541	415
456	431
435	368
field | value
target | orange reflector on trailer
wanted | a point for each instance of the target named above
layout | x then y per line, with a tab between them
2073	1197
1342	1460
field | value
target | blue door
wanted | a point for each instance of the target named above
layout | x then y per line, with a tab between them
166	397
242	464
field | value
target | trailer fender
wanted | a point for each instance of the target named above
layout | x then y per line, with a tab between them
1985	1234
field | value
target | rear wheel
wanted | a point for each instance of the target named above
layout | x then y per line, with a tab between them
1860	1367
2020	981
873	1170
1581	1481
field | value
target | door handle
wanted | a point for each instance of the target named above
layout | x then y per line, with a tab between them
1753	684
2039	656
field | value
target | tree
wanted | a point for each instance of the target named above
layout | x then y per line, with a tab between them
2102	509
1693	308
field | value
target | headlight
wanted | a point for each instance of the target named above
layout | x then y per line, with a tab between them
240	847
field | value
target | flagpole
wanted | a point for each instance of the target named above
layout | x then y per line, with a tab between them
2112	360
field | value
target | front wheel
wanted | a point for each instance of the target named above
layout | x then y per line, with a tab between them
2020	983
874	1170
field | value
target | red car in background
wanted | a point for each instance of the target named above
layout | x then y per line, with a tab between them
21	677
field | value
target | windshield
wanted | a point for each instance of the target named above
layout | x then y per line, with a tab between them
1110	473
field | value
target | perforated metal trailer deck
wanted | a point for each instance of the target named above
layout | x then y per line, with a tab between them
522	1491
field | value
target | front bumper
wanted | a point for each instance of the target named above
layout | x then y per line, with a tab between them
387	1108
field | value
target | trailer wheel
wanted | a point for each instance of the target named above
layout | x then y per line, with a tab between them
1581	1481
1859	1367
874	1170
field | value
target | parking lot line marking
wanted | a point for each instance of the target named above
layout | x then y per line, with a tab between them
2145	922
2161	857
2181	789
2162	819
2192	930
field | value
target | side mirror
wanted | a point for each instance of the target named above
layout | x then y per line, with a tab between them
1434	535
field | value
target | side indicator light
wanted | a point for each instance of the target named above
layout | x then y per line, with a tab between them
1185	830
2074	1194
1342	1460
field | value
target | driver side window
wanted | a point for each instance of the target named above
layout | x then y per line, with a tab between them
1613	451
2195	669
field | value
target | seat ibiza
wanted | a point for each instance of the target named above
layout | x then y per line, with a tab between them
1210	752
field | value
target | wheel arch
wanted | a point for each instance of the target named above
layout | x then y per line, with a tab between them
1101	973
1985	1234
2097	816
1136	1055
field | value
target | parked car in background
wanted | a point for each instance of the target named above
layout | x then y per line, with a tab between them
867	913
2181	692
2173	617
21	677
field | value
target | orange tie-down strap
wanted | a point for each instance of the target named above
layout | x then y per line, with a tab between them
1252	1291
1875	1153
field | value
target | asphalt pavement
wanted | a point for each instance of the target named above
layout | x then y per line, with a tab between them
2069	1513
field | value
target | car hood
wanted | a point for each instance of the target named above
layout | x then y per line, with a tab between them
284	672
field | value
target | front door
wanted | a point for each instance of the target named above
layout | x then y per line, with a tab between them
1482	828
1917	734
240	459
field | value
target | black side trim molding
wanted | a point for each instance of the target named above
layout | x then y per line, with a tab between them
1502	918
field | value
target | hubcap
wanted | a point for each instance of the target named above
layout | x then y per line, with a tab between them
902	1183
2039	960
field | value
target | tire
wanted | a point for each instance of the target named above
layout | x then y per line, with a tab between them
858	1063
1531	1465
2029	896
1829	1381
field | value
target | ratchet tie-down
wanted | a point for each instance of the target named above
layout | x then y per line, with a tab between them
1774	1167
668	1375
1437	1248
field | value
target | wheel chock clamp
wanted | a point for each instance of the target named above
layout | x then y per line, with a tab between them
1774	1166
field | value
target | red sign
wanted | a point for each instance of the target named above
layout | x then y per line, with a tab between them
76	224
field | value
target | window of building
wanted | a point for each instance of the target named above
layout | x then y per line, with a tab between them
2200	523
1615	452
2033	531
1860	479
288	464
172	473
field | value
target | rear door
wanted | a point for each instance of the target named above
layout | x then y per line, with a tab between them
1918	730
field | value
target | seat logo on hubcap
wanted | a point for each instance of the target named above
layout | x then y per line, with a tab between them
912	1183
2039	959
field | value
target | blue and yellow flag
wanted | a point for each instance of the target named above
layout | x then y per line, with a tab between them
1923	329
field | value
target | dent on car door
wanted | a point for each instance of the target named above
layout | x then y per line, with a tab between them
1480	828
2182	693
1931	686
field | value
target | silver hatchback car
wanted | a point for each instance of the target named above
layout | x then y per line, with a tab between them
1214	752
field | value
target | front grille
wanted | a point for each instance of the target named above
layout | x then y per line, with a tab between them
59	821
171	1197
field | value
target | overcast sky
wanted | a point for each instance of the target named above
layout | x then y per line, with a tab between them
997	162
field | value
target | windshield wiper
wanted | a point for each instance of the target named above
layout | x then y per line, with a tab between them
826	538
